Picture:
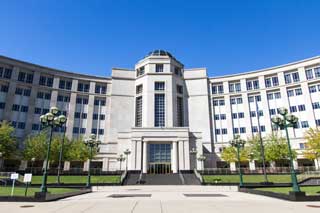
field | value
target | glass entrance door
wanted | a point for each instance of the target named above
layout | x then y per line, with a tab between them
160	159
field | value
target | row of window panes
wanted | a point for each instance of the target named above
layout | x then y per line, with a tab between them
218	102
217	89
301	107
316	105
5	72
313	88
235	87
255	128
82	115
18	125
252	84
220	117
96	116
100	89
2	105
62	98
291	77
98	102
140	71
236	101
83	101
22	91
25	77
100	131
293	92
222	131
254	113
271	81
39	111
46	81
22	108
256	98
313	73
44	95
83	87
275	95
78	130
4	88
65	84
237	115
239	130
159	85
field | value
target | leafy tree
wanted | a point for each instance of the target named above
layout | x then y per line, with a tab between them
255	148
36	146
312	151
229	154
276	148
8	144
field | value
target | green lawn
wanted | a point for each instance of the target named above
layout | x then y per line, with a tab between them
78	179
246	178
19	191
310	190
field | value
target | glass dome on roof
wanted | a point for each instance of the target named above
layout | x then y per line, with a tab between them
159	53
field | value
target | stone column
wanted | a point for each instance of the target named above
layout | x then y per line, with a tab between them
181	157
86	166
174	165
316	164
105	164
144	158
295	164
252	165
186	155
233	166
132	156
66	166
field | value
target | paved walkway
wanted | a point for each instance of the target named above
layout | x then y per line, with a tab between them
165	199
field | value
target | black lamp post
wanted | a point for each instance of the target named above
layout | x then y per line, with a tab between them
120	159
91	143
61	153
127	152
286	121
32	162
238	143
50	119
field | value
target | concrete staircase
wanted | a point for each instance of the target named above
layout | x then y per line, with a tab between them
183	178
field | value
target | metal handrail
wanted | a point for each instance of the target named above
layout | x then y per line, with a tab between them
198	175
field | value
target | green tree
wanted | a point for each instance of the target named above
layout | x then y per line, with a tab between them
35	146
312	151
276	148
8	143
255	148
229	154
78	151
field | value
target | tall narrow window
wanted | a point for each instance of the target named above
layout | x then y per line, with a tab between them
159	110
159	85
139	111
159	67
180	116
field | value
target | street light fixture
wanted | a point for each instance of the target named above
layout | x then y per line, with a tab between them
91	142
238	143
51	120
127	152
288	120
61	151
120	159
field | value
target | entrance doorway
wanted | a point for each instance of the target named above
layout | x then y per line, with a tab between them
160	158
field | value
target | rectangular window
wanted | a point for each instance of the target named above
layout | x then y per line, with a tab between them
158	86
290	93
277	95
252	113
234	115
15	107
309	74
179	89
302	107
318	122
270	96
216	117
24	108
19	91
267	82
140	71
223	117
224	131
272	111
159	110
21	76
159	67
235	130
2	105
242	130
254	129
221	102
316	105
241	115
37	110
295	77
4	88
239	101
217	131
7	73
275	81
304	124
21	125
298	91
139	89
180	115
138	111
293	109
317	72
35	127
312	89
100	89
287	78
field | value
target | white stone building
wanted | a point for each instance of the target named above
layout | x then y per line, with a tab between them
161	111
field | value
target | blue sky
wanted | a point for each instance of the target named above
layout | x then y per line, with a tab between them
224	36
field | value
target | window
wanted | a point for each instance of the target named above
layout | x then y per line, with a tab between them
139	89
272	111
316	105
60	98
252	84
293	109
260	113
46	81
7	73
277	95
295	77
37	110
159	67
217	88
75	130
317	72
159	86
179	89
102	117
312	89
83	87
27	92
159	111
290	93
254	129
235	130
2	105
223	117
271	81
138	111
233	101
19	91
65	84
221	102
215	103
177	71
287	78
15	107
4	88
234	115
275	81
241	115
35	127
234	87
309	74
298	91
318	122
77	115
84	115
216	117
270	96
267	82
301	146
217	131
98	102
302	107
180	115
24	108
94	131
242	130
21	125
100	89
239	100
252	113
304	124
45	111
140	71
224	131
101	131
95	116
21	76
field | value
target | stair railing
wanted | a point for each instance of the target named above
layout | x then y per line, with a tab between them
123	177
181	178
198	175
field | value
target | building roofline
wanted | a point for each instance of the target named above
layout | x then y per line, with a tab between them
53	69
266	69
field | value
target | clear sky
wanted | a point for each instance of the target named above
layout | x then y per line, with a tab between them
91	36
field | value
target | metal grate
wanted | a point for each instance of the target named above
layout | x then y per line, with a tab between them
204	195
128	195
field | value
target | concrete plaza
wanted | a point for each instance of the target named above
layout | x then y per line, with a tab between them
158	199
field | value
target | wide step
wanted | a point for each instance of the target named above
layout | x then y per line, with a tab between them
161	179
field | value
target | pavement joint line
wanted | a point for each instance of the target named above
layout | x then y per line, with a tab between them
134	206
